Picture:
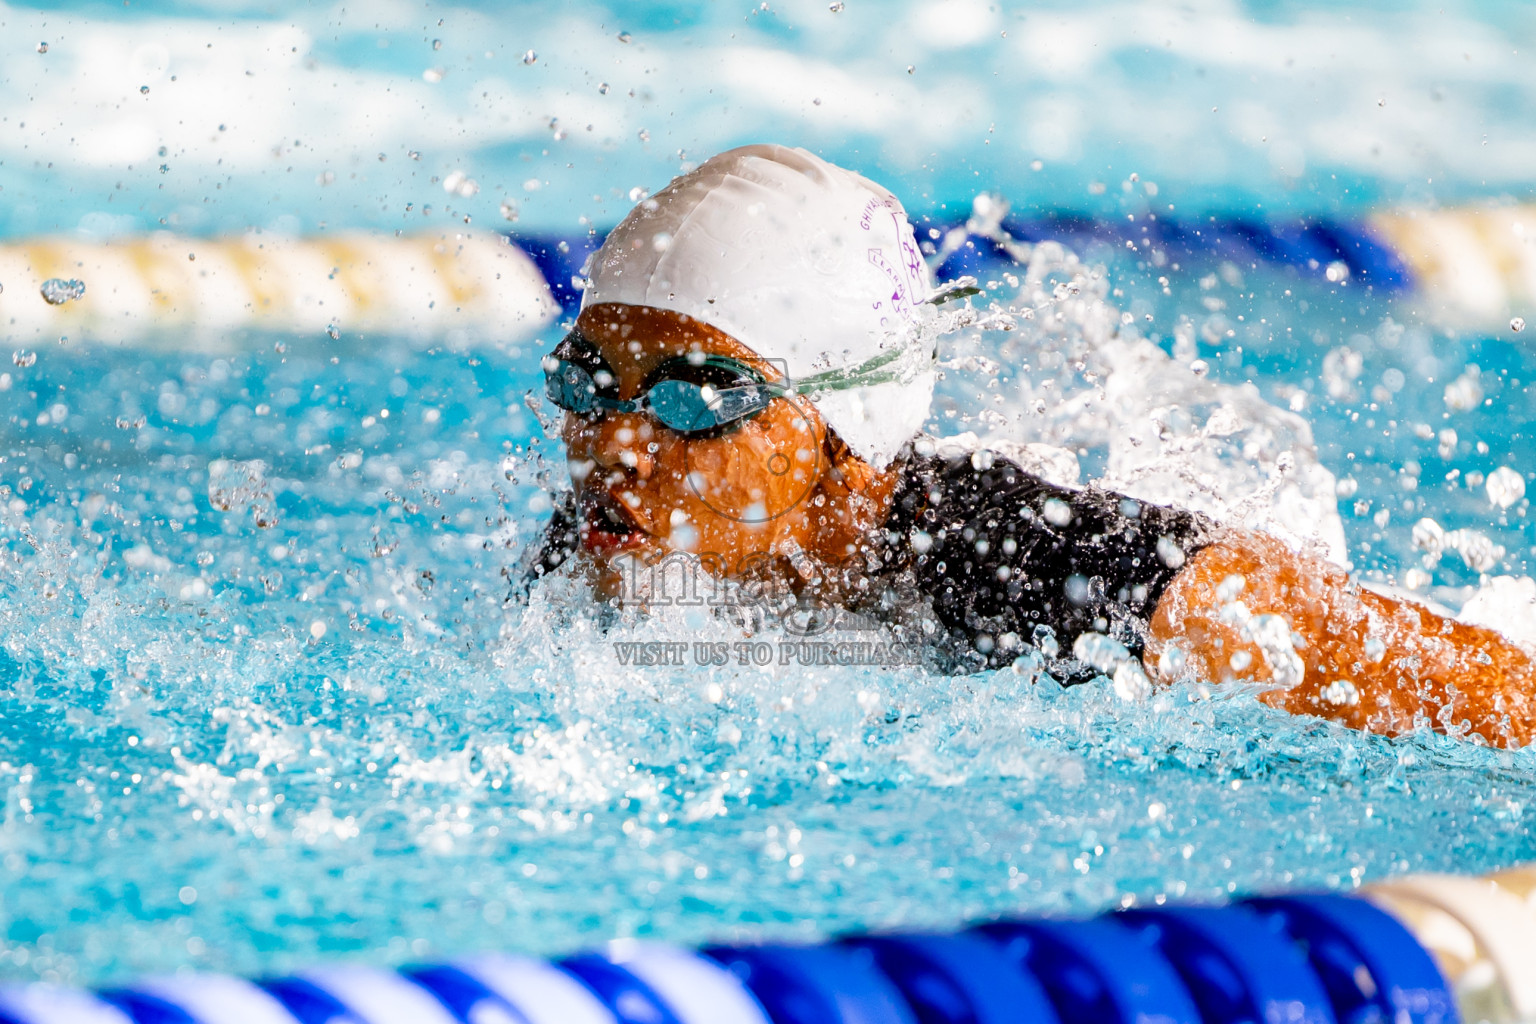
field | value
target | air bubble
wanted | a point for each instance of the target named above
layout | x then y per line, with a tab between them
530	57
1517	324
437	44
42	47
836	6
23	358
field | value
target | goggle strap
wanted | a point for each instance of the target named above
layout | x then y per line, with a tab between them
868	373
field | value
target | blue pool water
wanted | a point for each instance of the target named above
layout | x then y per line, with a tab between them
235	746
262	697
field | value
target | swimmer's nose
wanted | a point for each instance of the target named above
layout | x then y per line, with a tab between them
617	441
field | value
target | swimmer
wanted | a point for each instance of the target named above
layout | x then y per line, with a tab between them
747	381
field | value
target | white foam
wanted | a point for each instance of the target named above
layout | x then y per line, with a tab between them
1507	604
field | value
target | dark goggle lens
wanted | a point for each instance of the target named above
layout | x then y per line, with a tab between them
569	386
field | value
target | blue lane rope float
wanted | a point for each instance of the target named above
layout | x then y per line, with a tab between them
957	979
1371	967
1096	971
1310	246
1297	959
1468	267
1235	964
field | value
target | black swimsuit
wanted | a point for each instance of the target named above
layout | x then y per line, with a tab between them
1007	559
1002	560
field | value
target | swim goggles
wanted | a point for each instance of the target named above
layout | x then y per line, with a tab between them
692	397
692	394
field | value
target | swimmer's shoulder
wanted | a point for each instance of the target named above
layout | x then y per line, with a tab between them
959	484
959	476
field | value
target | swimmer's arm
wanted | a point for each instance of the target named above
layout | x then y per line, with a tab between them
1370	662
553	547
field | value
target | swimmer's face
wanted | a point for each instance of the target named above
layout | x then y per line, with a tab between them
738	497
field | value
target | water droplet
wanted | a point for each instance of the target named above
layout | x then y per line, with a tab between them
1172	663
508	210
625	37
42	47
164	168
1341	693
130	422
911	69
437	44
1505	487
461	184
143	90
22	358
530	57
413	154
434	75
835	6
280	347
1131	682
235	486
1272	634
1100	652
644	135
1199	367
1517	324
333	331
602	88
637	193
57	291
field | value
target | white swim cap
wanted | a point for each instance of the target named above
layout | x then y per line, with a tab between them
801	261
